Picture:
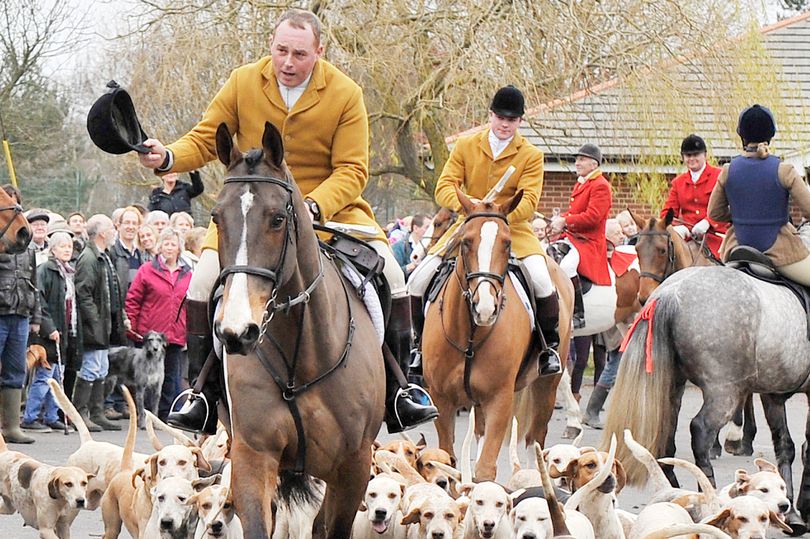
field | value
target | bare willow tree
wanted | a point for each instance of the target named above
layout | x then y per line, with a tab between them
427	68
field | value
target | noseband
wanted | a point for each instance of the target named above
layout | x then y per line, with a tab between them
669	269
484	276
273	275
17	209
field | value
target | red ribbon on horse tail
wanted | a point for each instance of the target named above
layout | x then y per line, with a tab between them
646	314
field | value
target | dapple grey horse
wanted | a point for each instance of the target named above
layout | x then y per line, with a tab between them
731	335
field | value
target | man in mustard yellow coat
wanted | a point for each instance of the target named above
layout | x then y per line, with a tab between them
476	164
322	118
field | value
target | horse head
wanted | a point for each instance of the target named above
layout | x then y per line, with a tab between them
257	216
485	244
661	252
15	233
440	224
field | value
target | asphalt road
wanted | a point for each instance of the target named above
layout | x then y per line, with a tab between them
54	448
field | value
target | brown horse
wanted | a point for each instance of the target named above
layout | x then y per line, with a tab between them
479	315
303	363
15	234
441	223
661	252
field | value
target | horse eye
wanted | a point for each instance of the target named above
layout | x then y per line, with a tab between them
662	252
277	221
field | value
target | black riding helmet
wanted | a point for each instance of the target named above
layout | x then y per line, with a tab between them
693	144
756	124
113	125
508	102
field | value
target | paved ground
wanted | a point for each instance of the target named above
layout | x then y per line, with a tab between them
54	448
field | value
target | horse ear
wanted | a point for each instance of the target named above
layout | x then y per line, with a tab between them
637	219
669	217
271	142
513	202
466	203
225	145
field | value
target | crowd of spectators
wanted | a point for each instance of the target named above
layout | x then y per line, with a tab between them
84	286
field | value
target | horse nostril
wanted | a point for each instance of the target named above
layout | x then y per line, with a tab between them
23	235
250	335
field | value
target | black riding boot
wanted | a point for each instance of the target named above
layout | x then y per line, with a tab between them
406	406
418	323
579	304
204	365
547	317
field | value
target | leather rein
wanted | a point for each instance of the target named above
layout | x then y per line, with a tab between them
468	294
290	390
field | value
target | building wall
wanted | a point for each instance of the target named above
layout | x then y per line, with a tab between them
557	187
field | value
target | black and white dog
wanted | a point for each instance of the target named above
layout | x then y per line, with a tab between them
141	369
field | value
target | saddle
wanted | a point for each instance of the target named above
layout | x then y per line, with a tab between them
557	250
361	258
752	262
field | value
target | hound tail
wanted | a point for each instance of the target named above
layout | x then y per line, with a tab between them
71	411
132	430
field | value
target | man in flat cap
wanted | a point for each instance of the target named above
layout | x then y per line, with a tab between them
584	226
476	164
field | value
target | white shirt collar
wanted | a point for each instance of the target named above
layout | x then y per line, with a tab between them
696	175
291	94
497	145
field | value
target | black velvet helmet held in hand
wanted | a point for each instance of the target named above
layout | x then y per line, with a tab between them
508	102
113	125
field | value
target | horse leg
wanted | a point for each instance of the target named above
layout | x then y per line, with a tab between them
543	408
675	408
445	423
497	412
743	429
734	436
716	411
803	503
253	486
343	497
776	415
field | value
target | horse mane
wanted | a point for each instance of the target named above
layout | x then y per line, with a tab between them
253	158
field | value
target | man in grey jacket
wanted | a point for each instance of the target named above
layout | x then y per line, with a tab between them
96	287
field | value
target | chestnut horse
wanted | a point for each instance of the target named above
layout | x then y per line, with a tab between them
15	234
303	362
440	224
478	333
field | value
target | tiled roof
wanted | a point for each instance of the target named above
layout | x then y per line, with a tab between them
627	127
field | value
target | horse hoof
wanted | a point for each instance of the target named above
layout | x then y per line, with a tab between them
571	433
738	448
796	524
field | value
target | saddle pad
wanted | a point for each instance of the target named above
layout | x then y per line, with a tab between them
624	259
371	300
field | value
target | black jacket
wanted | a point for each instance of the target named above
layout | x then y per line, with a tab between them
180	197
18	285
51	284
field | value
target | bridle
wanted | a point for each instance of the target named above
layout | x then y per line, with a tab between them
483	276
468	294
669	269
17	209
273	275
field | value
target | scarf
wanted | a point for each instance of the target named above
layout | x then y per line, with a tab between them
67	272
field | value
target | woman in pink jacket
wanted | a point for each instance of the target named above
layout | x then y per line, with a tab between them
155	303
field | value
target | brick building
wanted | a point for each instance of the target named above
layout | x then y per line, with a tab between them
632	120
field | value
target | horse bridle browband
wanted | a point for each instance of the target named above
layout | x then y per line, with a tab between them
669	269
17	209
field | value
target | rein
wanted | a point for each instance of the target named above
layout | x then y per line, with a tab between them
289	389
468	294
17	209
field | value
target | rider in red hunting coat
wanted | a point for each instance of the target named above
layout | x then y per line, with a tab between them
689	196
584	223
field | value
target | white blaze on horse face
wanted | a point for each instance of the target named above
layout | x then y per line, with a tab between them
485	308
237	312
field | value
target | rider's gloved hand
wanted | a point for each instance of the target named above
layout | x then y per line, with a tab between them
700	228
682	231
